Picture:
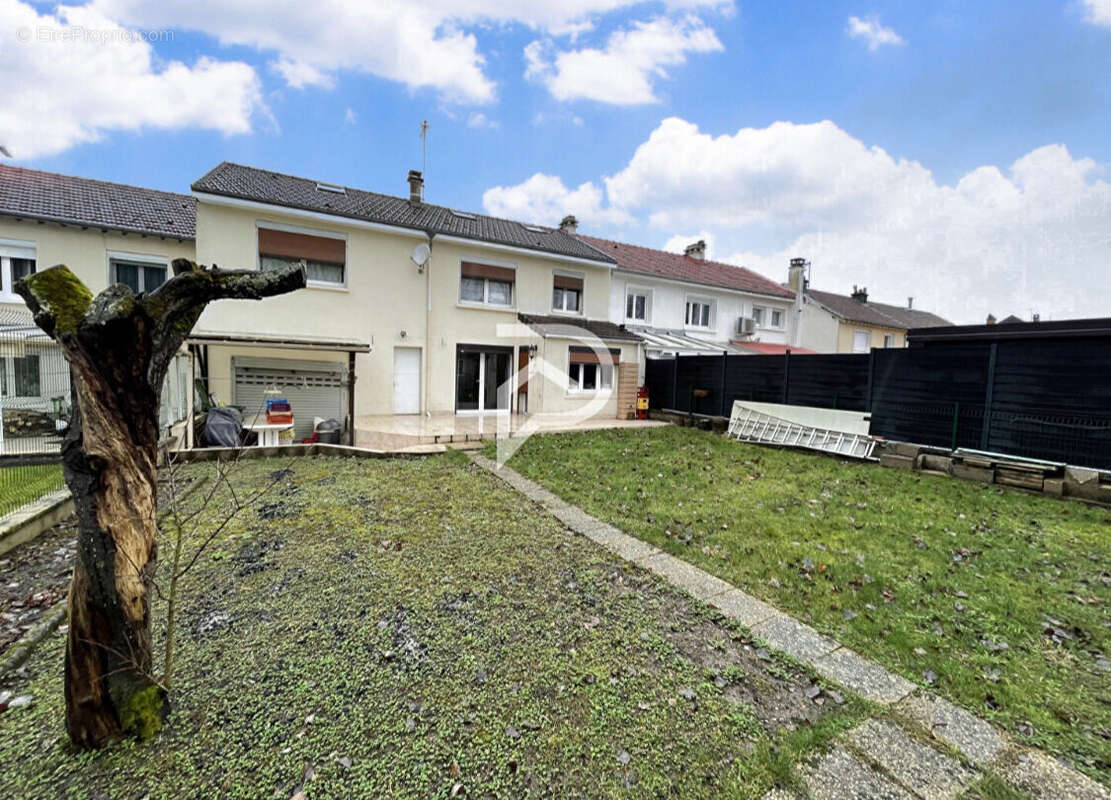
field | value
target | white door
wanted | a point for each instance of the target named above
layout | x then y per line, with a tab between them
406	380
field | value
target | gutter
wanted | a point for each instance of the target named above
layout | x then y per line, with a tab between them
102	226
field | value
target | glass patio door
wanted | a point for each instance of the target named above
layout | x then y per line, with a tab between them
481	378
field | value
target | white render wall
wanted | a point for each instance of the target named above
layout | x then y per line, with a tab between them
668	307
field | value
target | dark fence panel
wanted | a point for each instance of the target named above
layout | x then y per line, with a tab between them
756	378
829	381
659	377
930	395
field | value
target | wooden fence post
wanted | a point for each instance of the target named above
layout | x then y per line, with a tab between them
985	433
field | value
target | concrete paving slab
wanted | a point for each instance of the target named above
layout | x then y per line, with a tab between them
978	740
918	767
631	548
840	776
1042	776
744	608
863	676
797	640
574	518
698	583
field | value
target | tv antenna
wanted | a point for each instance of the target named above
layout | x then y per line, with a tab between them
424	147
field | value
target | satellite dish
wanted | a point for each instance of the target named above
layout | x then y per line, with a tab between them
420	255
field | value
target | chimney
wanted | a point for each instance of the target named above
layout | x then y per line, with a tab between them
991	319
696	250
1036	318
910	303
860	295
416	186
569	224
796	275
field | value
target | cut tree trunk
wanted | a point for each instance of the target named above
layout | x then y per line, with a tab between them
119	346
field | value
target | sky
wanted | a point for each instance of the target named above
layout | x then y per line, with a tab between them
953	152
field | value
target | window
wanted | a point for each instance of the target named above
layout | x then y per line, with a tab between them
486	284
698	314
889	340
636	306
140	275
567	293
589	371
17	260
19	377
323	257
777	318
862	341
758	316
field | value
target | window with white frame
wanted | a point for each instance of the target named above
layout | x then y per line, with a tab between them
19	376
141	273
589	372
636	305
17	260
699	313
758	316
777	318
324	256
567	293
862	341
889	340
486	284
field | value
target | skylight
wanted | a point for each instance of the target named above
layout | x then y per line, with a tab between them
463	214
535	229
328	187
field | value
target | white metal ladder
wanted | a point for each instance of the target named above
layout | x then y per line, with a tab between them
747	425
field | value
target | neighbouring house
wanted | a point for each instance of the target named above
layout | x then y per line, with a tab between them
105	233
686	304
411	307
836	323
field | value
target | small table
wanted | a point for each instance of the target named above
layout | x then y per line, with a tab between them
267	432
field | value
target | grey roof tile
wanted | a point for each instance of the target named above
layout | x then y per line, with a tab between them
569	326
278	189
872	313
33	194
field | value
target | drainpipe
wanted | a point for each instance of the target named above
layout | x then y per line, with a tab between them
427	365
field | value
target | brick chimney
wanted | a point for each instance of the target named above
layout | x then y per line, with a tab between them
416	186
860	295
696	250
569	224
991	319
910	303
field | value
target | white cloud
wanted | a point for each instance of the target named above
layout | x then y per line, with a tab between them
349	116
422	44
872	32
1029	236
545	199
479	121
679	242
1098	12
74	76
624	72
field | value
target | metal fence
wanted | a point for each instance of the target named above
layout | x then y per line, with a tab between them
1038	399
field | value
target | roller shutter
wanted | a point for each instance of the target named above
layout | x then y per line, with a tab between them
314	389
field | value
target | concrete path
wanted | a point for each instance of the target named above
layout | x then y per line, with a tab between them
921	746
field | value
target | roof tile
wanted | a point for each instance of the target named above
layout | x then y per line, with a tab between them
32	194
662	264
278	189
872	313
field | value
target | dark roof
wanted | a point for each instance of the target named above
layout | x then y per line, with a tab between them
31	194
1097	327
870	313
277	189
564	326
676	266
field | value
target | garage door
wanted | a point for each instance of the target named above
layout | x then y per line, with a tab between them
313	388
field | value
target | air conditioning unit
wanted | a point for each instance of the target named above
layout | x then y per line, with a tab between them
746	326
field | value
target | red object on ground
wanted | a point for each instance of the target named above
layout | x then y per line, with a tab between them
642	403
769	349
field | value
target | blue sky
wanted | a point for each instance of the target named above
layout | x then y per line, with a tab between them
539	112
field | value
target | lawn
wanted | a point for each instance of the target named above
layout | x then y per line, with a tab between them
994	598
21	485
415	629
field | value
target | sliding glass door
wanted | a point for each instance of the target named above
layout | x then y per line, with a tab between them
481	378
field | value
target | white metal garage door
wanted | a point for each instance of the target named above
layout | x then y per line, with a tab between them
313	388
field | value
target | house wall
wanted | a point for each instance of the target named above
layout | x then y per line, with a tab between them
668	306
385	304
847	330
85	252
819	330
